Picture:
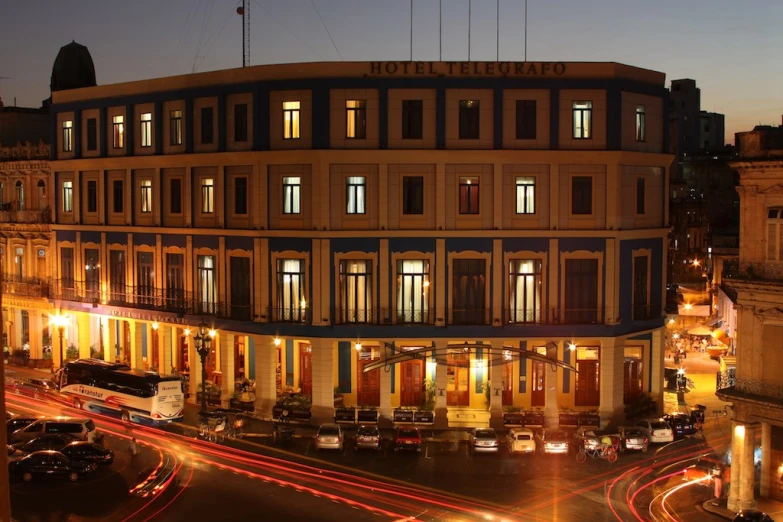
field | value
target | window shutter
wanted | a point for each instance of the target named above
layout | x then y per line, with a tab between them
522	369
344	366
566	372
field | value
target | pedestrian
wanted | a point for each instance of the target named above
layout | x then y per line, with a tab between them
133	449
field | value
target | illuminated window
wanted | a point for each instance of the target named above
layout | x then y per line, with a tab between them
146	129
526	195
175	128
469	118
469	195
355	291
413	291
206	284
356	194
146	195
67	196
207	195
525	291
291	301
583	120
291	120
356	119
67	136
292	195
118	128
641	131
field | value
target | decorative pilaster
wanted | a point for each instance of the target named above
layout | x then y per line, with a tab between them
611	379
737	436
323	358
226	351
748	470
266	375
83	332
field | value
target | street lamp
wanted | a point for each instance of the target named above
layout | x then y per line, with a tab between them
203	342
60	321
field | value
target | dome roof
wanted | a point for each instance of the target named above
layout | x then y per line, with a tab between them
73	68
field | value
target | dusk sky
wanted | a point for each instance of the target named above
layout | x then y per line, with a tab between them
732	49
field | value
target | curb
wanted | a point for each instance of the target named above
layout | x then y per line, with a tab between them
712	506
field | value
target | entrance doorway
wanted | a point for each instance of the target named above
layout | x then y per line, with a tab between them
538	381
412	392
508	382
126	342
182	355
458	379
306	369
632	373
369	389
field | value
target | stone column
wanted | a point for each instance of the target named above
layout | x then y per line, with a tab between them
441	382
323	380
226	352
167	360
266	374
494	362
748	469
611	381
551	408
135	345
385	412
83	339
111	329
766	458
657	360
736	465
36	327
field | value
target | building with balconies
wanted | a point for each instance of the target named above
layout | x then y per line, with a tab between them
757	286
374	232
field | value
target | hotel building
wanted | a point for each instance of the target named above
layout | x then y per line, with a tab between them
325	216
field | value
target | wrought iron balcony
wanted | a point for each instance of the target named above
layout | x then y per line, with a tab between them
575	316
478	316
525	316
292	314
356	316
14	285
9	214
759	389
414	317
726	379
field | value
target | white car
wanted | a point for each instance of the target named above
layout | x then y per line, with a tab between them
330	436
657	430
520	440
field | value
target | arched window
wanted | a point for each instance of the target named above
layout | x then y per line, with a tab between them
20	195
775	234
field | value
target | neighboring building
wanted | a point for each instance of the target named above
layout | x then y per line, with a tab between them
712	132
325	216
685	121
757	394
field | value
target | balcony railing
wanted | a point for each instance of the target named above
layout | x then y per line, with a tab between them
293	314
356	316
726	379
414	317
14	285
525	316
478	316
762	389
9	215
575	316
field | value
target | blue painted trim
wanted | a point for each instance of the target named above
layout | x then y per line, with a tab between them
130	125
383	118
77	134
320	120
479	369
289	362
614	119
102	132
522	386
344	366
222	121
158	115
497	118
554	118
392	373
189	126
440	118
251	358
566	373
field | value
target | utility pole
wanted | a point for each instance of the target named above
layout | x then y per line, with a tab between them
5	491
244	12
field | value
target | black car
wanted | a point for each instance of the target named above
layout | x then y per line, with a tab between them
17	423
681	424
49	463
88	452
752	515
50	441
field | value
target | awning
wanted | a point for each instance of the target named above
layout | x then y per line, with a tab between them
714	322
700	330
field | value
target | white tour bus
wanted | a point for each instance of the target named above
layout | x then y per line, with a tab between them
114	389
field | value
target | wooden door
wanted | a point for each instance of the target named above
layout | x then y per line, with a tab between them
306	369
538	385
587	383
508	382
369	390
458	383
412	392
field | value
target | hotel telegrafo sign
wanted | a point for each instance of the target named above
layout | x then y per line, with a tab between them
468	68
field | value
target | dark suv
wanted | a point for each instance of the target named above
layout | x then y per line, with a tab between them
681	424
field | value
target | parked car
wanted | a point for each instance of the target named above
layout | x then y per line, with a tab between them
36	388
49	463
368	437
17	423
484	440
13	453
50	441
552	442
704	468
407	439
88	452
633	438
752	515
520	440
80	429
657	430
681	424
329	436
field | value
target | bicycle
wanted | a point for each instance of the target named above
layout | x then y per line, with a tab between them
604	451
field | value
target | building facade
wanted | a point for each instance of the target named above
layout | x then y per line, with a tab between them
757	393
322	217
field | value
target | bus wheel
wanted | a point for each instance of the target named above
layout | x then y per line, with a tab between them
77	404
125	416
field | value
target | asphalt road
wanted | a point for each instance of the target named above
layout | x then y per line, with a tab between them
242	480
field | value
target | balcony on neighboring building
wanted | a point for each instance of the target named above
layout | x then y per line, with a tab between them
16	286
759	391
11	213
726	379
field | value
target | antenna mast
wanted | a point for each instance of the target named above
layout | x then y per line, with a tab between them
244	12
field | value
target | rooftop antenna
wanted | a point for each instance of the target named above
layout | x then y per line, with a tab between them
497	30
525	30
411	30
470	9
244	12
440	30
